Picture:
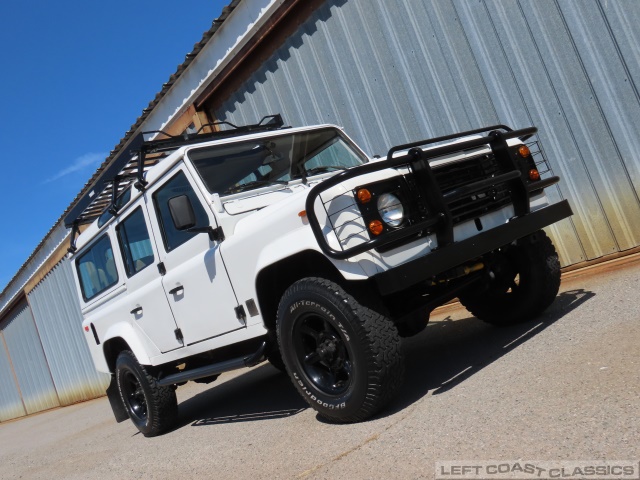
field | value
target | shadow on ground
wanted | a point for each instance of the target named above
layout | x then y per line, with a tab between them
261	394
449	352
440	358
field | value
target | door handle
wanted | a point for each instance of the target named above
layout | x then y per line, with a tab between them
136	310
175	290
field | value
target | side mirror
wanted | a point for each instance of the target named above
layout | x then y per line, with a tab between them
182	212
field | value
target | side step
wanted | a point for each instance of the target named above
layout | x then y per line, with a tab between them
215	368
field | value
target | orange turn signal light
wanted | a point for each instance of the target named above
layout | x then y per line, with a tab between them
364	195
534	174
376	227
302	213
524	151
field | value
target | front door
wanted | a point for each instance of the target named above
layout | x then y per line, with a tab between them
196	282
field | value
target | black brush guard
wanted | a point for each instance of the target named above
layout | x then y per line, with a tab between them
439	220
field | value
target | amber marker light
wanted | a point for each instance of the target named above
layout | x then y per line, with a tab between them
524	151
364	195
376	227
303	213
534	174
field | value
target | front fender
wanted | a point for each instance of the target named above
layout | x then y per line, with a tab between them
300	240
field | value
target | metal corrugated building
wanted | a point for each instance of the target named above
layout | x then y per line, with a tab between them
389	72
57	314
11	405
393	72
28	365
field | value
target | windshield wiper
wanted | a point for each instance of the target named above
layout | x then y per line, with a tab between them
324	168
254	184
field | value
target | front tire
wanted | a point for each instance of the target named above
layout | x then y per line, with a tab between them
526	280
343	358
151	408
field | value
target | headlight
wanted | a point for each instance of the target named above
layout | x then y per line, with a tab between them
390	209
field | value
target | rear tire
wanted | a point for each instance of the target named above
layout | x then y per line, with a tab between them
343	358
526	281
151	408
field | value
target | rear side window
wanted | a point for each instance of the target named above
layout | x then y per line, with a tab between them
178	185
135	242
97	269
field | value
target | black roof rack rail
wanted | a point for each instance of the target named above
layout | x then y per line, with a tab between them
130	164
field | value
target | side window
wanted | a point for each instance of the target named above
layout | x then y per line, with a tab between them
135	242
97	268
178	185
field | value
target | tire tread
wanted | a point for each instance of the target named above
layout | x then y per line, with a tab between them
162	405
380	340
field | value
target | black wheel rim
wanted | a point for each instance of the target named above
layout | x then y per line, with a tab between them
134	396
507	283
322	354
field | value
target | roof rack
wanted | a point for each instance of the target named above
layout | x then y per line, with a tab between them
130	164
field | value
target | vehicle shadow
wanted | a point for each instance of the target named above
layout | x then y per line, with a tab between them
449	352
440	358
263	393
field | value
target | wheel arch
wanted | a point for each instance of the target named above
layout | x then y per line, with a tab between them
274	279
122	337
111	349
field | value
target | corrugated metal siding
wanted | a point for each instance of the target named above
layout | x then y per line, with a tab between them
10	401
390	72
28	359
57	314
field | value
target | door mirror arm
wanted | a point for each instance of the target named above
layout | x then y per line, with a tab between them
215	234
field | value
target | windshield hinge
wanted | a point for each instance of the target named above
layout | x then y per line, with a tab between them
216	234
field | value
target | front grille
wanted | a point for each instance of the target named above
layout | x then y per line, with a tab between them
454	175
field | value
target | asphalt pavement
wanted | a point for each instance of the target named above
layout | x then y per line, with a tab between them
563	387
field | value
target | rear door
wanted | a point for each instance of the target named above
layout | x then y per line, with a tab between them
196	282
146	303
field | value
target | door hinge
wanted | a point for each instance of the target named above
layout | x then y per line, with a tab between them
179	336
240	314
162	270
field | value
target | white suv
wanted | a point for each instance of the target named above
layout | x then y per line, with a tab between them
206	253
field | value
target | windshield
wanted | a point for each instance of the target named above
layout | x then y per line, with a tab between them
228	169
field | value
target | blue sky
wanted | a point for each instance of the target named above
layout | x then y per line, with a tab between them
74	76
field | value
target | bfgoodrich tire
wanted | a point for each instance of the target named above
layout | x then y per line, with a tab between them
151	408
343	358
526	281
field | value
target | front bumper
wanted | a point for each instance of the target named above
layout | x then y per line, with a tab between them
454	254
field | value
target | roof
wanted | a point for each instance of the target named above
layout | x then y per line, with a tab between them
216	24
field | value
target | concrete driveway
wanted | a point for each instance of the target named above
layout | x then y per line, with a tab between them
563	387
